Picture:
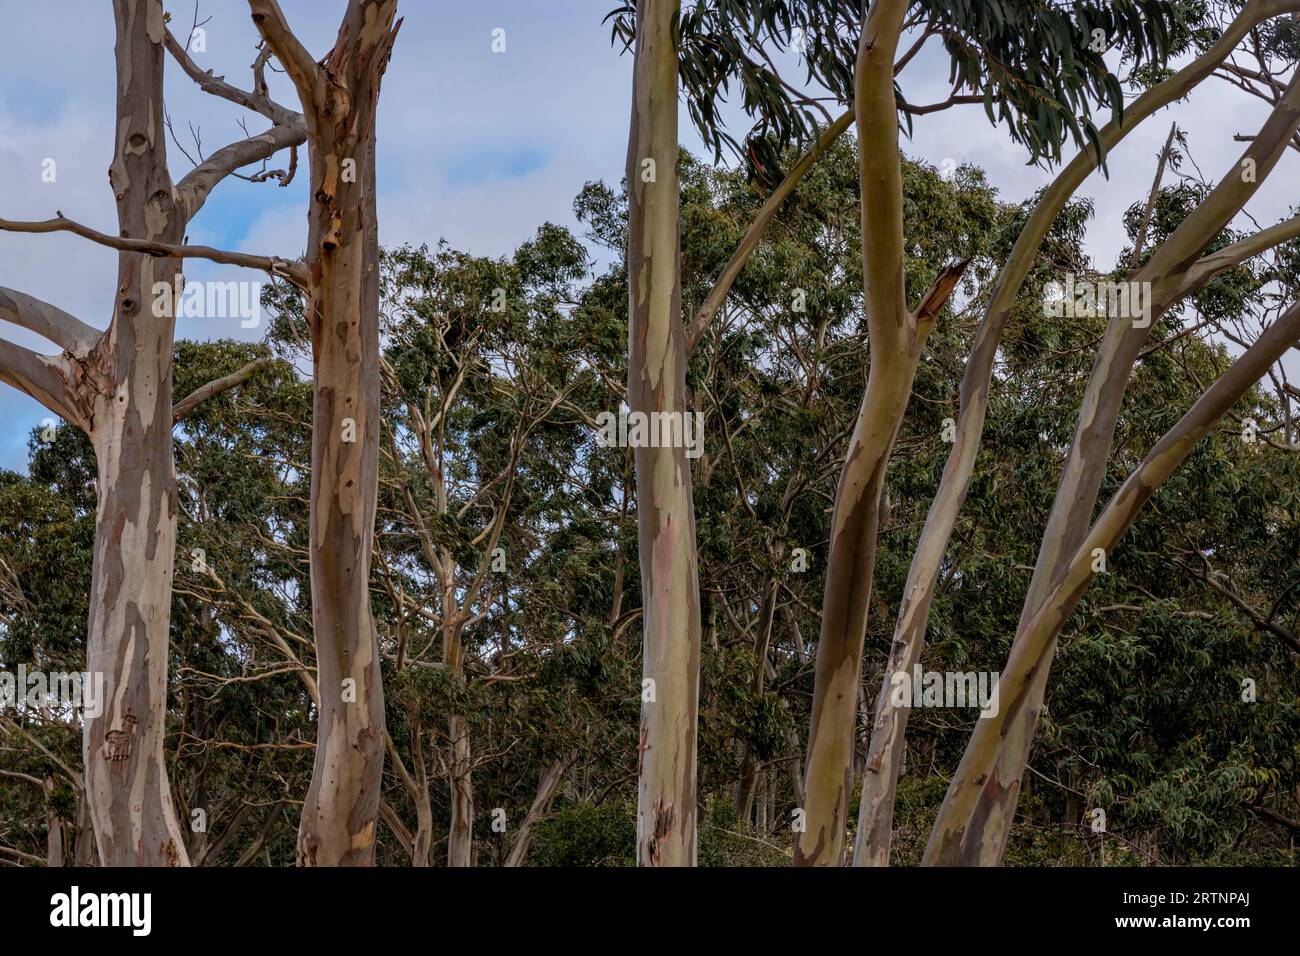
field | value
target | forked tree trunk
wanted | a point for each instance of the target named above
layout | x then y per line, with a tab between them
896	341
127	789
666	809
976	833
959	834
875	818
340	95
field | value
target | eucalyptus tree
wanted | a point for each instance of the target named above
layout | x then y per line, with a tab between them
847	601
976	818
116	386
476	374
339	94
1034	70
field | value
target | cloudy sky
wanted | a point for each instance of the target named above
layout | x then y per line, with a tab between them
475	146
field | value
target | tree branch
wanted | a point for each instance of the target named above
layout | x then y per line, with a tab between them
43	377
293	56
257	101
294	271
200	181
944	284
718	294
1207	267
216	387
64	330
954	100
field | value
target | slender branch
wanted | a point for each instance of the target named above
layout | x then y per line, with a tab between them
954	100
257	101
298	63
195	187
294	271
216	387
1140	242
718	294
1207	267
263	834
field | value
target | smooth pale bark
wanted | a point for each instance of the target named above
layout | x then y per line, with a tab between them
460	837
657	357
547	788
339	97
115	386
1036	637
880	780
977	835
897	338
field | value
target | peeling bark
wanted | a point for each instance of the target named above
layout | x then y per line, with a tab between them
127	790
340	95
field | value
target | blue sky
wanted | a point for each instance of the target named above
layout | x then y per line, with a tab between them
475	147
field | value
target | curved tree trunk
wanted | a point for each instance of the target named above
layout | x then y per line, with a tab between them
966	808
875	818
896	341
880	780
666	809
977	833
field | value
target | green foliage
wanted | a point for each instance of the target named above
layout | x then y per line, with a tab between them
1038	67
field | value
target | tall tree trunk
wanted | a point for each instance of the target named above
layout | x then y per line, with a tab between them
897	338
666	807
127	788
340	95
342	806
